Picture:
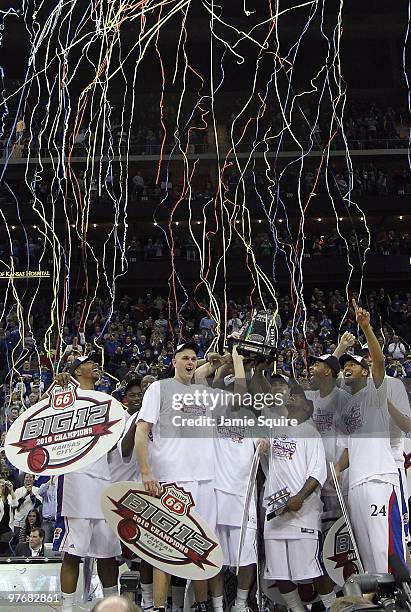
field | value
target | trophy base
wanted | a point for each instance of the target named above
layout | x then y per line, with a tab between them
248	348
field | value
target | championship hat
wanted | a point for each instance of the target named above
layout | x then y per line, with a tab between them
187	345
357	358
330	360
83	359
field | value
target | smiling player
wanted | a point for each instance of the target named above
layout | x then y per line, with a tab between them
373	477
81	530
176	456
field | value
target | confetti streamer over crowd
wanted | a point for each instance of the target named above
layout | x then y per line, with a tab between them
88	69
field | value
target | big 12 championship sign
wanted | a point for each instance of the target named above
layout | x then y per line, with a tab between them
67	430
339	556
163	531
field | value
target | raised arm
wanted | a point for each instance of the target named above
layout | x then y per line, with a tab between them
240	383
346	342
378	362
208	369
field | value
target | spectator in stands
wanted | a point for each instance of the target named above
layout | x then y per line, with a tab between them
47	492
206	327
33	519
142	368
28	499
122	370
396	348
8	503
161	324
35	545
110	346
13	415
138	183
234	324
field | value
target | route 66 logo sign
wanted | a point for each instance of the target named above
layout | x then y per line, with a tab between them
63	398
176	500
67	430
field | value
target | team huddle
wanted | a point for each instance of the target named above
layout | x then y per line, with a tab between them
354	417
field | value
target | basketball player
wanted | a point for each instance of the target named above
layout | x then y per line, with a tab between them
119	458
293	538
400	423
81	530
233	456
124	467
175	458
328	400
373	494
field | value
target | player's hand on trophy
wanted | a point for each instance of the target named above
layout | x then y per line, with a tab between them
294	504
362	316
62	379
151	484
347	340
236	356
215	360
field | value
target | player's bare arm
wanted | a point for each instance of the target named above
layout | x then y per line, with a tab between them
240	383
259	382
151	484
207	369
62	379
342	464
127	443
296	501
263	445
224	370
346	342
401	420
362	317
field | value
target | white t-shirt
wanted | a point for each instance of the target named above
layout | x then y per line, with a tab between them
397	395
326	418
294	456
176	457
234	454
366	424
126	468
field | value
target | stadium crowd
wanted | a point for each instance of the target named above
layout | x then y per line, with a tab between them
381	241
366	125
139	338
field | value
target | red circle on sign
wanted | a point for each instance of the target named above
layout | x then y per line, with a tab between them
128	531
38	459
